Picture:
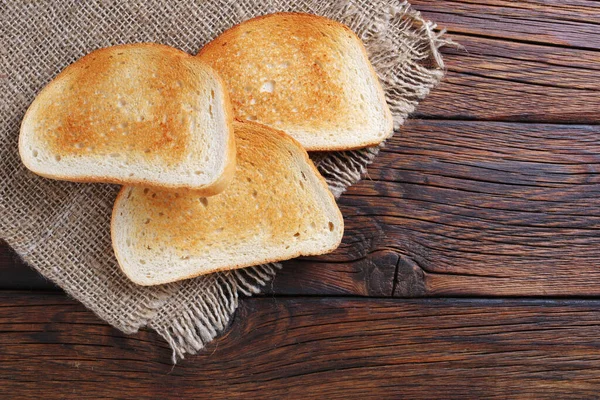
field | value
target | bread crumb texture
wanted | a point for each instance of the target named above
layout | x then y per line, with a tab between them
277	207
139	113
270	197
111	115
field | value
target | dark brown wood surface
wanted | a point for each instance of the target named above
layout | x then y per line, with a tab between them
314	348
491	190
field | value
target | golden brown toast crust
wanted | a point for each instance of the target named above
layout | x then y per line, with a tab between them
91	110
77	131
263	199
303	57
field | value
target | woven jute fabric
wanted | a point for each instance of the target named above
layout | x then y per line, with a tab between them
62	229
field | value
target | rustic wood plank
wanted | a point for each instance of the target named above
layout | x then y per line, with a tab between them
372	274
310	347
570	23
491	209
501	80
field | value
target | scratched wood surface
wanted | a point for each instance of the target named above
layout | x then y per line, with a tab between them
490	190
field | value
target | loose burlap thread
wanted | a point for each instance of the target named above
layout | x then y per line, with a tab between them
62	229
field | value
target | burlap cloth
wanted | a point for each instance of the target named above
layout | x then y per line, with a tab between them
62	229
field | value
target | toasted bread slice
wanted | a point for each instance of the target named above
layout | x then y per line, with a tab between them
277	207
306	75
133	114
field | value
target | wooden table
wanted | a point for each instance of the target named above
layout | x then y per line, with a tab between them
470	264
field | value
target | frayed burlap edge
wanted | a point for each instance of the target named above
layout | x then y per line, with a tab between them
408	70
189	328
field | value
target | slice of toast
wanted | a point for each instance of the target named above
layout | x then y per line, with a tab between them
306	75
133	114
277	207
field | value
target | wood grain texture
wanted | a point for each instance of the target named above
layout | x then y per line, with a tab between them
311	347
570	23
368	275
500	80
492	208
